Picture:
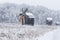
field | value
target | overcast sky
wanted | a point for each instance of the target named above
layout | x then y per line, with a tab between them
51	4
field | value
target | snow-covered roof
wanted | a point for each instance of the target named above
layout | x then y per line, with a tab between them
30	15
49	18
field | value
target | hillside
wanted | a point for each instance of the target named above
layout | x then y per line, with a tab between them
9	13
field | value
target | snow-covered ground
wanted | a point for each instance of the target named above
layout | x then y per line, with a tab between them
24	32
53	35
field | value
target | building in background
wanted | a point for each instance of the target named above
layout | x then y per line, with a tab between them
49	21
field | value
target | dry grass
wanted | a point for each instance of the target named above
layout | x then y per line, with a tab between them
19	32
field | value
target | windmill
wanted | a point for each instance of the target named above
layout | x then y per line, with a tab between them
26	17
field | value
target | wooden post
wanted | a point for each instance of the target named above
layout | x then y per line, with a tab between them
22	19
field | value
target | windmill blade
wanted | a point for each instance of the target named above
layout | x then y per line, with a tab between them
24	10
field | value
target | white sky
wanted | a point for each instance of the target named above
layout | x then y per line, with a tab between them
51	4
